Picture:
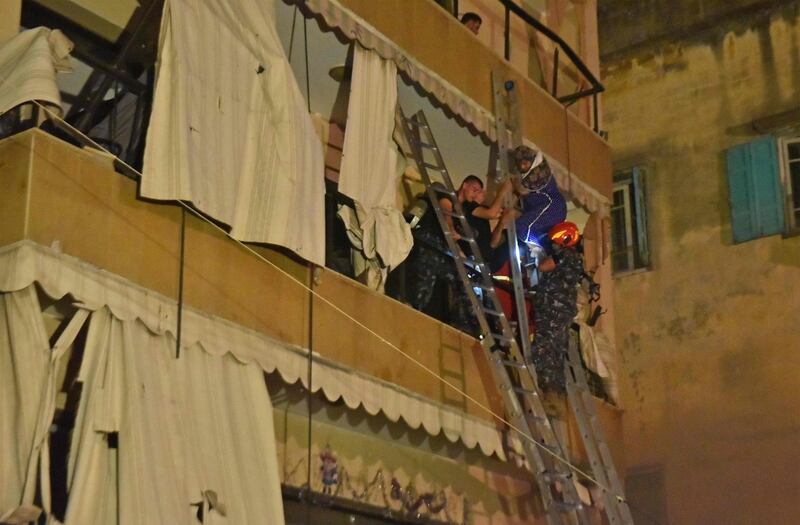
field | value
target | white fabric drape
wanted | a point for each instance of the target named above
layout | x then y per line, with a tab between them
600	356
358	30
195	434
28	66
29	370
58	274
371	168
24	355
230	131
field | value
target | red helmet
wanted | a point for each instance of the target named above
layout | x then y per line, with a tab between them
564	234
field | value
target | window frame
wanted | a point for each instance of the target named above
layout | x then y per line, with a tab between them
791	227
631	182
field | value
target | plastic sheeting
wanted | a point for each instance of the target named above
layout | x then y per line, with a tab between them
230	130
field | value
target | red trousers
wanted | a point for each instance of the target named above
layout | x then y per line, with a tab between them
505	294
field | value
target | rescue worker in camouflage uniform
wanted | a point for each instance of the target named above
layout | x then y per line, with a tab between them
428	261
555	306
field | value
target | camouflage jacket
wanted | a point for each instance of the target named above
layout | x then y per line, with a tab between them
558	289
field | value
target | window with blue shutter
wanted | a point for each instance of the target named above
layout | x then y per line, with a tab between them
756	197
629	244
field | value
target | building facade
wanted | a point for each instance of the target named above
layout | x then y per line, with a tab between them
703	117
380	414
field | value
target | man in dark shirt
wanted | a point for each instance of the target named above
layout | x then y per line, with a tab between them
480	216
429	260
554	304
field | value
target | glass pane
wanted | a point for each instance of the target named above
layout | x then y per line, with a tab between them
618	244
794	175
619	198
620	262
794	150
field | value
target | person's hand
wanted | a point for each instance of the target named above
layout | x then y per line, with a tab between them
456	236
508	215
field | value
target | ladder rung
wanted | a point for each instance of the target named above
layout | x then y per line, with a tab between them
463	238
440	188
525	391
552	448
425	145
552	477
566	506
512	363
434	167
492	312
502	338
453	213
535	418
414	122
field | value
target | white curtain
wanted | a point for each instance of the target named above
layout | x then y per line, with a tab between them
24	357
195	434
28	66
59	274
370	170
230	130
29	369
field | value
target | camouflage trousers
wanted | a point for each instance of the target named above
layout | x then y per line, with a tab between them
426	266
550	344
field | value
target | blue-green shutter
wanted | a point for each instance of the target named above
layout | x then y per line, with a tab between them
754	189
641	216
766	183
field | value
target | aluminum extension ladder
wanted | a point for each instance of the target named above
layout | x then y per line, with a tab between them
600	459
507	122
517	380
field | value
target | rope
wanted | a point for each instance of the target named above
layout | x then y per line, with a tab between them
346	315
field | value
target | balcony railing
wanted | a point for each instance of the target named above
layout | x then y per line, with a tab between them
561	47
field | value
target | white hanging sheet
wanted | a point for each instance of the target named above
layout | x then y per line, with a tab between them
24	357
230	130
371	169
195	434
24	263
29	63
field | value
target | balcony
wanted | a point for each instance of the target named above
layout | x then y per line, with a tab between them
380	364
71	201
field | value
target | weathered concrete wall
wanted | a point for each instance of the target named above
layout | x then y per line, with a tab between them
709	337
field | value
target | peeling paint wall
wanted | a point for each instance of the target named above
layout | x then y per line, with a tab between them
710	337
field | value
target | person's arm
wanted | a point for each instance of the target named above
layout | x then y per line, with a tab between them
497	234
447	205
494	211
547	265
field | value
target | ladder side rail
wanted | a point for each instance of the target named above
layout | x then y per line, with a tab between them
512	401
596	449
503	112
507	111
434	196
515	403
